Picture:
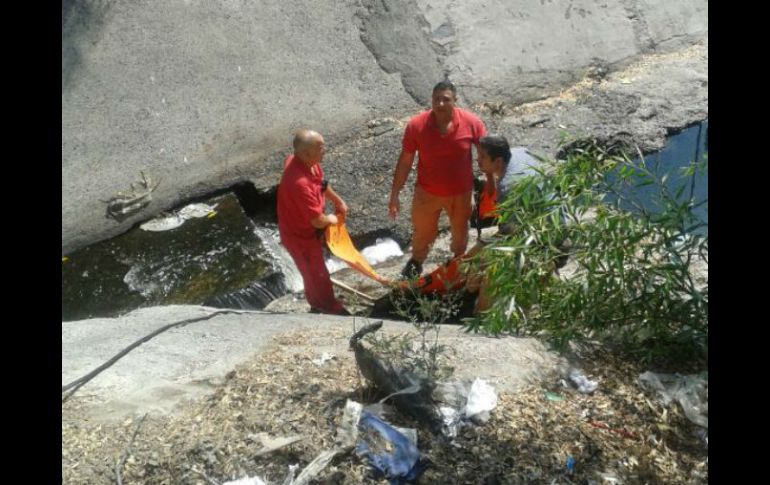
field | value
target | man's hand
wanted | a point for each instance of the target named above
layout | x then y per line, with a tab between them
342	209
403	167
394	206
322	220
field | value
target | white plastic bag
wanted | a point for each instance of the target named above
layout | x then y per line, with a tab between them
481	400
691	392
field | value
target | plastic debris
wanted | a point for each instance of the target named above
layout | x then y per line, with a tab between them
173	221
553	397
325	357
690	391
382	250
582	383
462	402
453	420
481	400
270	444
621	431
609	478
391	454
570	464
314	467
347	433
246	481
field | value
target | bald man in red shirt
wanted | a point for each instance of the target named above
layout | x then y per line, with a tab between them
443	137
302	194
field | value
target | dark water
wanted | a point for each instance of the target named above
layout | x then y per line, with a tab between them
192	264
681	150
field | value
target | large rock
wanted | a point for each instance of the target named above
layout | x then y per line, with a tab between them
199	95
190	360
196	94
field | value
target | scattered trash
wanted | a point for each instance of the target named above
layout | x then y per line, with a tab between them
166	223
703	434
270	444
690	391
409	433
609	478
314	467
290	476
553	397
414	388
453	420
324	358
246	481
622	432
379	409
64	259
391	454
582	383
394	382
345	439
570	464
462	401
382	250
347	433
481	400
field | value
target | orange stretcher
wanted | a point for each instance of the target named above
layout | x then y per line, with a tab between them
444	278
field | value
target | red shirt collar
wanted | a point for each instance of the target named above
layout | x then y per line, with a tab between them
432	121
304	168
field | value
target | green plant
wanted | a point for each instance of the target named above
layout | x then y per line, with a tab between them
419	351
632	272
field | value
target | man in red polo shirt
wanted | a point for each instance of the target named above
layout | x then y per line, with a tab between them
302	194
443	137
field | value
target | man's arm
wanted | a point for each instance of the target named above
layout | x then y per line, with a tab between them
323	220
339	205
403	167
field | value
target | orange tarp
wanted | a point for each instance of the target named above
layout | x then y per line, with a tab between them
339	243
444	278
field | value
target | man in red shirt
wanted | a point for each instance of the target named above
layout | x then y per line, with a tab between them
302	194
443	137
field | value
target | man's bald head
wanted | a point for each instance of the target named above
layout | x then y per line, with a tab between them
309	145
305	138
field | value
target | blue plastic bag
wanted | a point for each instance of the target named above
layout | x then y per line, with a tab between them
402	464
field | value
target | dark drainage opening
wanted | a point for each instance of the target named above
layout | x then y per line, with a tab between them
406	306
258	203
219	257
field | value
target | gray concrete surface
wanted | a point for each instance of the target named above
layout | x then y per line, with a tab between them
188	361
197	94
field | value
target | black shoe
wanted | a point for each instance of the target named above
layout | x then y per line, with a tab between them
412	270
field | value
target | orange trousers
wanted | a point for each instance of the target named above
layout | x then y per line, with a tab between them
426	210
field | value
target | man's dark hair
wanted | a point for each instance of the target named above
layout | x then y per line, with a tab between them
497	147
445	85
